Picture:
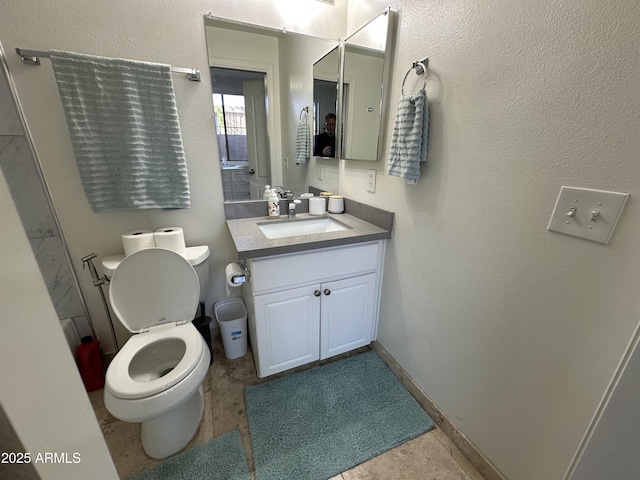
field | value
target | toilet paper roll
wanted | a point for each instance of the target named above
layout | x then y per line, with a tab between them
235	276
171	238
137	240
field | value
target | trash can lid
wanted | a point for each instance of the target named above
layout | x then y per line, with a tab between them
230	309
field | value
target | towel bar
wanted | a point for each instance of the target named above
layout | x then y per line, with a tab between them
33	57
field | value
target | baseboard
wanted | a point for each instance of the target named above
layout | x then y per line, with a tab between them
468	449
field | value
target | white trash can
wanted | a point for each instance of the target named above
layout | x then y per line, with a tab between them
231	315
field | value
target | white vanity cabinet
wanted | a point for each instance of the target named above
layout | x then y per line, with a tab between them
313	305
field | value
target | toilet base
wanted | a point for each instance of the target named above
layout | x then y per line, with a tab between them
165	435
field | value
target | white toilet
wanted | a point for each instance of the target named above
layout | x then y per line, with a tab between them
156	378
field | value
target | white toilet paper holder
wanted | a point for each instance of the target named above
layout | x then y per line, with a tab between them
238	279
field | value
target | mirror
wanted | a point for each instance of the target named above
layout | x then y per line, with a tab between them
365	79
325	104
262	79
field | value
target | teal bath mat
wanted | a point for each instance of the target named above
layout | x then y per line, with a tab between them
222	458
323	421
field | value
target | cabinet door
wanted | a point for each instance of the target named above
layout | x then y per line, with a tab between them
347	311
288	329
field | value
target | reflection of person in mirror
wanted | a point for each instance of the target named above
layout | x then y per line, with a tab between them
326	141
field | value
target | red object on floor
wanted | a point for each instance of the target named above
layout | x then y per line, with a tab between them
90	363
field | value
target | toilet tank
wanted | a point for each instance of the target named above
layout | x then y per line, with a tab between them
197	256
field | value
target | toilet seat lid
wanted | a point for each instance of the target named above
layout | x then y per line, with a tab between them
152	287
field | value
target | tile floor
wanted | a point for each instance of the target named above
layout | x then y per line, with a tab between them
429	457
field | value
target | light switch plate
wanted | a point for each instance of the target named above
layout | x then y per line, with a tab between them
320	172
587	213
371	184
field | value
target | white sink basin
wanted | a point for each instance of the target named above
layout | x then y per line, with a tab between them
302	226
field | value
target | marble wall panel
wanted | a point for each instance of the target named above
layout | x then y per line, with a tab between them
26	189
9	123
29	195
51	258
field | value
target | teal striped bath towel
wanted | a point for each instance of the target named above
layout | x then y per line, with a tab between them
125	132
410	136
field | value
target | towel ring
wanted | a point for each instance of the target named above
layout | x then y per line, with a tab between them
421	68
305	111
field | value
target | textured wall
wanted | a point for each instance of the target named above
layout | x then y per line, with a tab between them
514	331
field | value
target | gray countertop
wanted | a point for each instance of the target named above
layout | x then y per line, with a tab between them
250	242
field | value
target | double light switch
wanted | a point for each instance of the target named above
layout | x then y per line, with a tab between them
587	213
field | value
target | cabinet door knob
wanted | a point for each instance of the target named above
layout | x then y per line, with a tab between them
317	293
327	291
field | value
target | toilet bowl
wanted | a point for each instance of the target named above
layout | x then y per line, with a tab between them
156	378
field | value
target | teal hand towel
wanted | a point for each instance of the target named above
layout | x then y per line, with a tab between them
409	139
303	143
124	128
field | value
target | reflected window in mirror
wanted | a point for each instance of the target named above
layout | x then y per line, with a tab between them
231	129
240	111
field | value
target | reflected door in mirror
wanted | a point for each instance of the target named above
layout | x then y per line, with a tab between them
239	101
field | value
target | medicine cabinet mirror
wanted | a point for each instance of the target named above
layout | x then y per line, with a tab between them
326	73
365	81
261	80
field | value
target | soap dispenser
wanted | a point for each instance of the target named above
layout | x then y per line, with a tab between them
273	204
267	192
